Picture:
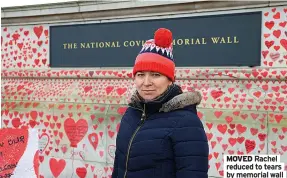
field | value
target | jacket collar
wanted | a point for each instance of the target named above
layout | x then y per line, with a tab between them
172	99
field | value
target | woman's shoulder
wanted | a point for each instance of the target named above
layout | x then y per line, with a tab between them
185	117
129	112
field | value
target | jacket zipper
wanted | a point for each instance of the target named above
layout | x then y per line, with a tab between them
143	118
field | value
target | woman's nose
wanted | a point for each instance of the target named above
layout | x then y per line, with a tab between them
147	80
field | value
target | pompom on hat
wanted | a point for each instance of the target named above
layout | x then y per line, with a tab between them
156	55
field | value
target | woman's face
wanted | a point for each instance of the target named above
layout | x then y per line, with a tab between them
151	84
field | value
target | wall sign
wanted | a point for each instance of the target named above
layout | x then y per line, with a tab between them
217	40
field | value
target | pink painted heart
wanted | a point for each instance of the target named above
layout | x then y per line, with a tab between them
64	148
111	151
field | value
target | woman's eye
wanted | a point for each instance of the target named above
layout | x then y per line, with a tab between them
140	75
156	75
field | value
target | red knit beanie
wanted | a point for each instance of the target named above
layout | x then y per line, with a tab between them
156	55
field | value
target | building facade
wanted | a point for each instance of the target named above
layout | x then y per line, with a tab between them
77	108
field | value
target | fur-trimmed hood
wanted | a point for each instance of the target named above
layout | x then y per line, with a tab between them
181	101
177	102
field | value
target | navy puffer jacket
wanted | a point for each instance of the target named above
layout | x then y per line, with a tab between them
162	139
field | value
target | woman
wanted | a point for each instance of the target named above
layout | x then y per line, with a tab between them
160	135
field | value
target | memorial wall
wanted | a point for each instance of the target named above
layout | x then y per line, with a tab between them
72	82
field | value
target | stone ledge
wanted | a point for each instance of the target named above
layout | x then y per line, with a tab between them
228	73
80	11
69	7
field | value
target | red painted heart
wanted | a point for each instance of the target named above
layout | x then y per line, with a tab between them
75	131
81	172
13	143
94	140
283	42
249	145
36	163
57	166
